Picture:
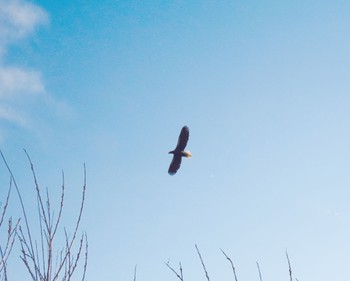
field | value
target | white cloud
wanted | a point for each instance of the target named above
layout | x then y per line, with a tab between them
24	100
20	88
18	19
15	81
6	113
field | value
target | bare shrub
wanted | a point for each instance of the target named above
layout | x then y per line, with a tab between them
38	254
7	246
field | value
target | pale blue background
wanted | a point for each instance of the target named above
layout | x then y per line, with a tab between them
264	88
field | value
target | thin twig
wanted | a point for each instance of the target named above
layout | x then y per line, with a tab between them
61	207
75	230
289	267
78	254
180	266
38	193
3	264
42	232
66	261
200	257
44	216
135	269
86	257
180	276
257	264
11	236
31	248
6	203
232	266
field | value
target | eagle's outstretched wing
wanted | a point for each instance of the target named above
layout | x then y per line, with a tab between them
183	139
175	164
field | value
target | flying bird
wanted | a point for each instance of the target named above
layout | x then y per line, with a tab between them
179	151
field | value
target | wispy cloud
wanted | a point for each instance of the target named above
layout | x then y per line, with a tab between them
7	113
15	81
22	89
18	19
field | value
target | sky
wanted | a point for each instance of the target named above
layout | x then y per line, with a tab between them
262	85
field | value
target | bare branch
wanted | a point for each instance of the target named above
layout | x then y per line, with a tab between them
38	193
61	207
232	266
39	259
135	269
6	203
200	257
289	267
86	258
76	228
7	247
42	234
257	264
31	248
180	266
3	264
180	276
78	255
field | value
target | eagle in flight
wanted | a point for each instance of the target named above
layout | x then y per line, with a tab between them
179	151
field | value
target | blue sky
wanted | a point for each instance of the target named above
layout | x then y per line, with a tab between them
264	88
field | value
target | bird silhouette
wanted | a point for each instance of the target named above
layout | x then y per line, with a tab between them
179	151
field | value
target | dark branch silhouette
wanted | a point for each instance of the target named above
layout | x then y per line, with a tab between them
38	256
135	269
232	266
7	246
289	267
257	264
178	275
200	257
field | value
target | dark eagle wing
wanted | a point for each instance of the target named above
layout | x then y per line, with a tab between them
175	164
183	139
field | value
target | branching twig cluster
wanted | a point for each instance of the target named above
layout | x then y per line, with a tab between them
39	255
178	275
6	248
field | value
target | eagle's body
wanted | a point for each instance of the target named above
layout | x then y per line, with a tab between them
179	151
